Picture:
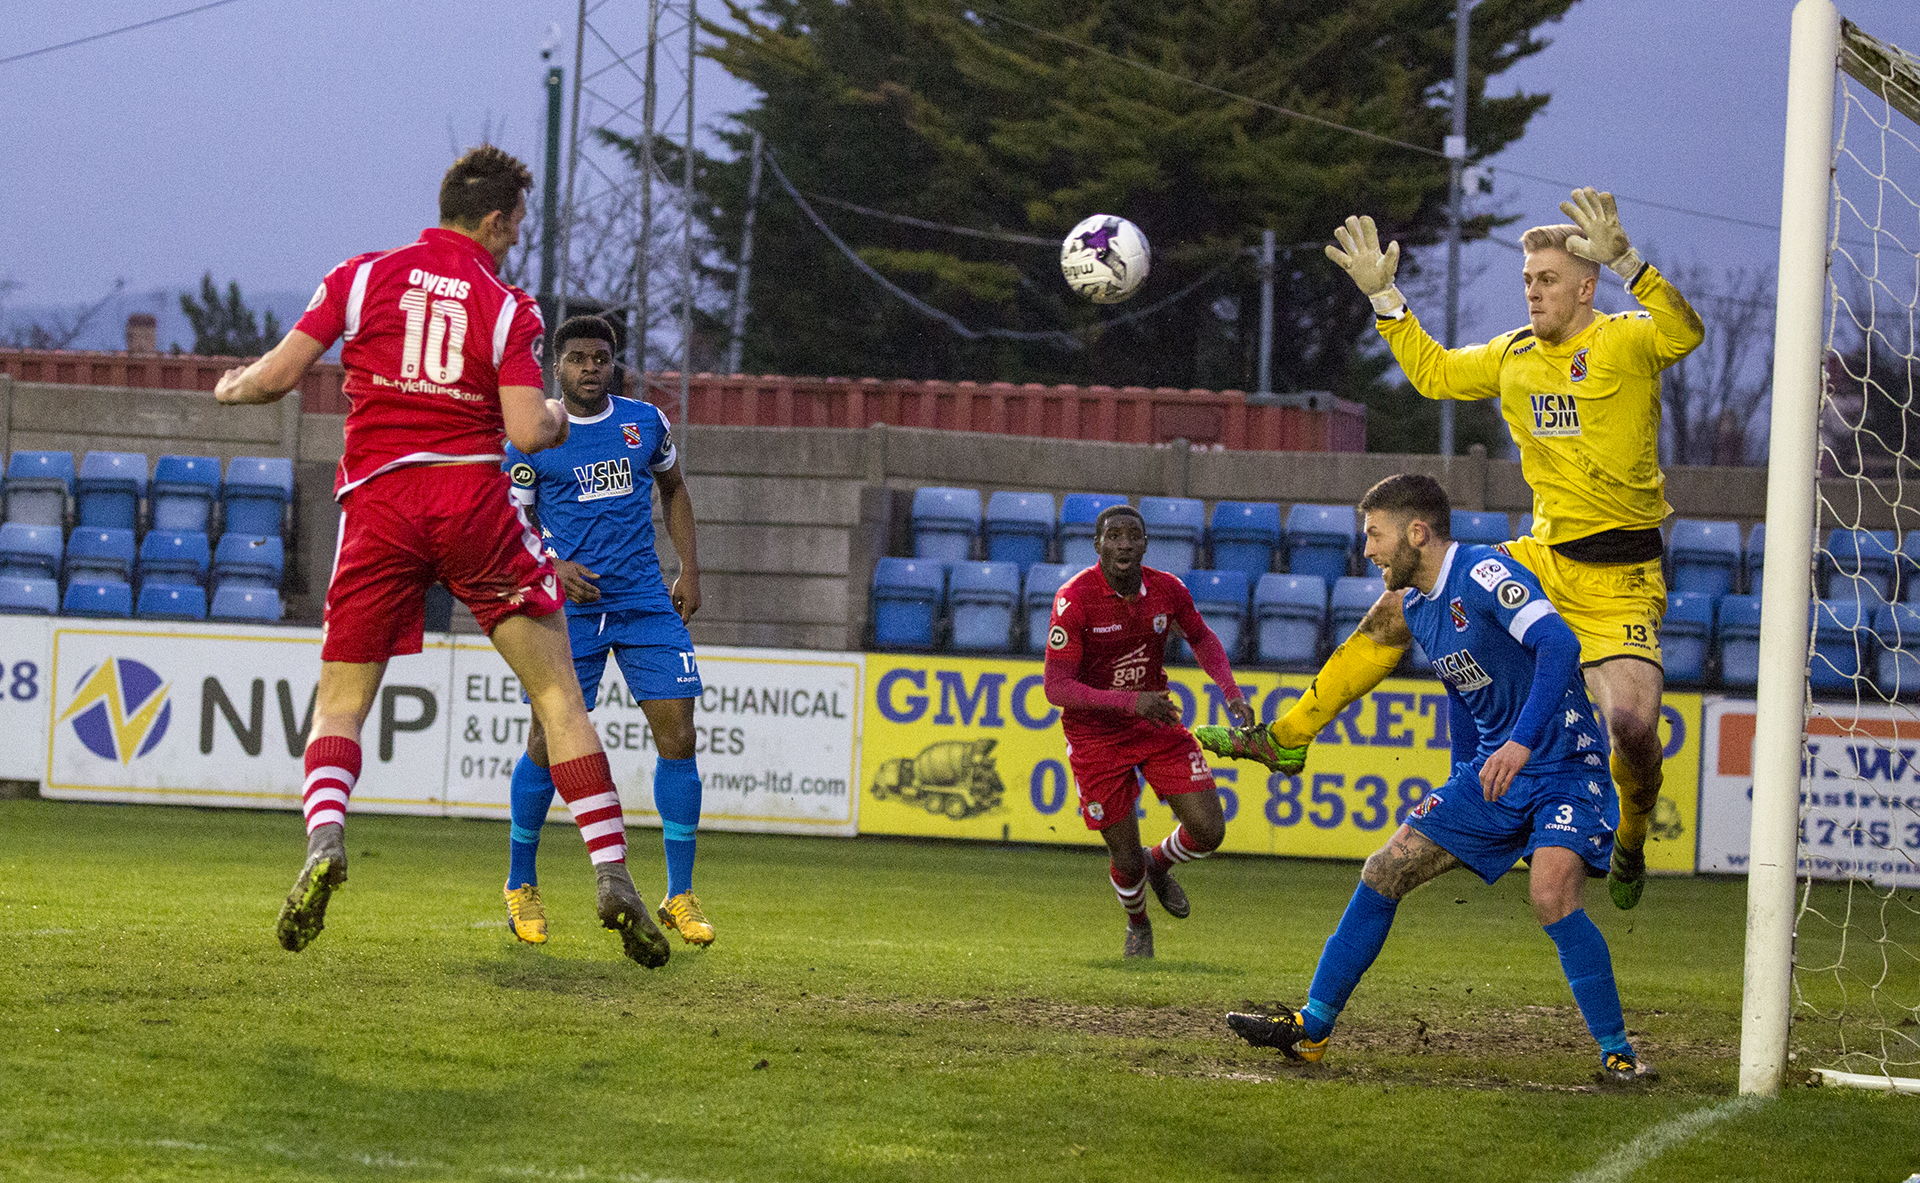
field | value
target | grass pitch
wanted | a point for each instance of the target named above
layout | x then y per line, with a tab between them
872	1010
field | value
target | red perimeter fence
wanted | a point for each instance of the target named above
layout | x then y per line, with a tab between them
1117	414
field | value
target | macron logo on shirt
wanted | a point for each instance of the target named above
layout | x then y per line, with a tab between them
604	478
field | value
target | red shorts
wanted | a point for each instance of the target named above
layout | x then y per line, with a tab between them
1108	771
404	530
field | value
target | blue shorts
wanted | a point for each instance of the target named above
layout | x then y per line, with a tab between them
653	649
1548	811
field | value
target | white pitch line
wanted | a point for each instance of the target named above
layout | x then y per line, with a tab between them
1622	1163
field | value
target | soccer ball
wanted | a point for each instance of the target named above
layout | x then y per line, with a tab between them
1105	259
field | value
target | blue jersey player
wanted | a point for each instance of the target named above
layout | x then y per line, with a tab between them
592	498
1529	775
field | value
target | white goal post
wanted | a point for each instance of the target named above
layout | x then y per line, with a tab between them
1842	255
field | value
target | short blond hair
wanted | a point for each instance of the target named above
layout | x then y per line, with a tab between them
1554	237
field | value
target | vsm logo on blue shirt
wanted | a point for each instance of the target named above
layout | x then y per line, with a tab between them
604	478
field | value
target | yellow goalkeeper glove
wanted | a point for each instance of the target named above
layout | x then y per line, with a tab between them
1371	269
1601	238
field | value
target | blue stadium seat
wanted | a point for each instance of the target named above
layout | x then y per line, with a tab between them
1756	558
1524	527
183	491
1019	527
1705	557
255	605
29	594
38	486
1043	580
1290	613
178	553
161	599
98	597
983	598
1480	527
109	490
1685	637
30	550
255	494
1909	562
1176	526
1859	565
1221	597
249	560
1077	514
1896	630
907	595
1319	540
1737	633
945	522
1843	645
1244	535
100	553
1352	596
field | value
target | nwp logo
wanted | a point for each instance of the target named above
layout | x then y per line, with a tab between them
120	709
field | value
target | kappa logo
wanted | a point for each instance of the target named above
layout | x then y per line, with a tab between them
1593	761
1527	348
120	709
1511	594
1583	742
1577	369
1459	613
631	432
1555	415
1461	671
1573	718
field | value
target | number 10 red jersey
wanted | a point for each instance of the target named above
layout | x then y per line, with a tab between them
431	335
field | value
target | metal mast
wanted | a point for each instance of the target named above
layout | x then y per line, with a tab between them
627	219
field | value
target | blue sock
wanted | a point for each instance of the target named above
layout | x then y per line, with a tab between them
529	798
1348	952
1589	969
676	797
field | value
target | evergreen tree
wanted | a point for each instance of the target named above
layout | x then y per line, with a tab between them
227	328
1019	118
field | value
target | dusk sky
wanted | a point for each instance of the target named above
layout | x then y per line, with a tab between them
266	140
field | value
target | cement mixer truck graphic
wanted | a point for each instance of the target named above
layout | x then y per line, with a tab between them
955	777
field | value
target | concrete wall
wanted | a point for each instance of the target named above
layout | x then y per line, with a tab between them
792	519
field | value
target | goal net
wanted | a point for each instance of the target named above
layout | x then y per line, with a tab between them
1838	920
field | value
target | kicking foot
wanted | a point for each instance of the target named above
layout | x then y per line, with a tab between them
683	913
1252	743
1285	1031
1626	877
1139	941
1168	891
1625	1068
622	910
526	914
305	912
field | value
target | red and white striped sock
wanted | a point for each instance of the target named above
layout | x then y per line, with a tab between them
586	785
1177	847
333	764
1133	896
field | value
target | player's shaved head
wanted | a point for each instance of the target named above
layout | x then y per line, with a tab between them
486	180
1418	496
1554	238
585	328
1112	511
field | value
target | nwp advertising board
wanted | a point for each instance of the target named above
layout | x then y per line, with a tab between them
970	748
218	715
1859	792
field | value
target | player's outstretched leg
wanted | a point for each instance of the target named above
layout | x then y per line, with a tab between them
676	797
332	764
1254	743
585	783
531	796
1589	969
1349	952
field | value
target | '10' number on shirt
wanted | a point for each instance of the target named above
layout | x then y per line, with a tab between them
443	325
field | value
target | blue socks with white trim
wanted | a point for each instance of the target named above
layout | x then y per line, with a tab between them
676	798
1348	953
1589	970
529	798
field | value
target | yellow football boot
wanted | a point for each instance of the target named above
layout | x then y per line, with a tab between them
526	915
683	912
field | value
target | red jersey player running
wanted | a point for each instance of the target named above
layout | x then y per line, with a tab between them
1105	671
442	358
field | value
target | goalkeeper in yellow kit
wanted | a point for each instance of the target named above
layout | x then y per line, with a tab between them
1580	392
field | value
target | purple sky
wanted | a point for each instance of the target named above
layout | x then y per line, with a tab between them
268	139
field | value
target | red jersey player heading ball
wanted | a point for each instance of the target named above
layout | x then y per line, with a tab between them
442	358
1106	672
